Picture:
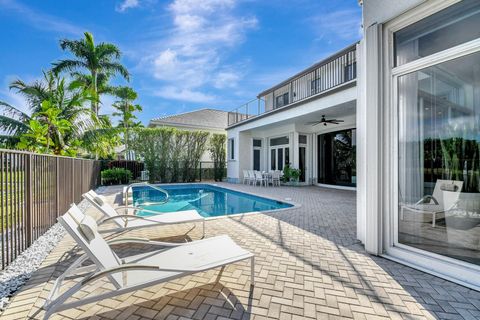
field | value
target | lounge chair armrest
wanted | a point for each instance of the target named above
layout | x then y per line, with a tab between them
126	208
134	266
137	209
145	241
427	198
127	217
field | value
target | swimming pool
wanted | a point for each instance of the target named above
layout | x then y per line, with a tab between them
208	200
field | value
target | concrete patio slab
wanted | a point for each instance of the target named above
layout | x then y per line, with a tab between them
309	265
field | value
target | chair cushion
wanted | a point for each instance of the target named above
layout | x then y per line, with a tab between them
88	228
100	200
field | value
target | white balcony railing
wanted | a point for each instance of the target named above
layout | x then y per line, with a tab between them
332	72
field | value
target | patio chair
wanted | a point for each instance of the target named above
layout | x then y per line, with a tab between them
444	198
172	261
251	174
127	221
246	177
276	178
260	178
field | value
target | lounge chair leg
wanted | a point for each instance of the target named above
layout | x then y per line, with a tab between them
219	274
252	271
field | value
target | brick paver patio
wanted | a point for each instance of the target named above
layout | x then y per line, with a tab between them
308	266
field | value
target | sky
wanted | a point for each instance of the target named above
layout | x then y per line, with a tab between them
183	55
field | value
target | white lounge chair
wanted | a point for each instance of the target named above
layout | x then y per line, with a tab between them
173	261
131	221
444	198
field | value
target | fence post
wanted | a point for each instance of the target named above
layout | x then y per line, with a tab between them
29	199
57	189
200	171
73	180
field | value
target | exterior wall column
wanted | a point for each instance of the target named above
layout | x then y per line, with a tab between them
294	155
370	125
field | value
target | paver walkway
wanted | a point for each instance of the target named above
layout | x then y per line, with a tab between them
308	266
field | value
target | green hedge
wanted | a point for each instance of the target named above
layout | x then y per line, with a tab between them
116	176
170	155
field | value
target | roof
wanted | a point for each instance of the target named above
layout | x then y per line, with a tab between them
202	118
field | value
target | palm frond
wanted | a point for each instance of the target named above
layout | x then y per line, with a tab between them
10	110
68	65
115	67
12	126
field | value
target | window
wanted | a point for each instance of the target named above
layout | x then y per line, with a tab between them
350	72
231	149
447	28
257	143
438	158
279	141
257	151
256	159
302	139
281	100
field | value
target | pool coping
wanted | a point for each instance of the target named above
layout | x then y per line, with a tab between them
294	204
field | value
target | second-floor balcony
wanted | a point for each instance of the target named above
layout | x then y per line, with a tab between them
333	72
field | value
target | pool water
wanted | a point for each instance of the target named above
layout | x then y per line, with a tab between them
208	200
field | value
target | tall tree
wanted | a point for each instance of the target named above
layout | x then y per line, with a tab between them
125	110
99	59
57	115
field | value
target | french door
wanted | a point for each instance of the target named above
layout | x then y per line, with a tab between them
279	157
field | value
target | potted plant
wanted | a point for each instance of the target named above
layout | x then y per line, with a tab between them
291	175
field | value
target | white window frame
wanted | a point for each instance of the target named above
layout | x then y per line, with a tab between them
231	149
253	153
289	145
458	271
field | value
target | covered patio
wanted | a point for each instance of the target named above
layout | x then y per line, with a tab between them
309	265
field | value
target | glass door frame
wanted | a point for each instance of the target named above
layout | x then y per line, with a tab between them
276	148
451	269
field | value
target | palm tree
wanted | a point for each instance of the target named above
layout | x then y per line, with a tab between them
126	109
54	107
97	59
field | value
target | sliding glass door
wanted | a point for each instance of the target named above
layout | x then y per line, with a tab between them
438	105
336	158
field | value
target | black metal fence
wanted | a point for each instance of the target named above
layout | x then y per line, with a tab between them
35	190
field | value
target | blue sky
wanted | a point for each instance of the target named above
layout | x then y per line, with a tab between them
183	54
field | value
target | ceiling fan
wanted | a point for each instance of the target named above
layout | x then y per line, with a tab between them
325	121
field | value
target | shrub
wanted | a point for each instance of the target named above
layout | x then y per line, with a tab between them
219	154
290	174
135	167
170	154
116	176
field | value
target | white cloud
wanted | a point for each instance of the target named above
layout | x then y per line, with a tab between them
127	4
226	79
344	24
185	94
40	20
192	54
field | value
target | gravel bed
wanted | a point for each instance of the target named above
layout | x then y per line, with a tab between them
21	269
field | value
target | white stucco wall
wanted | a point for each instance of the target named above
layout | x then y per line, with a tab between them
289	122
380	11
